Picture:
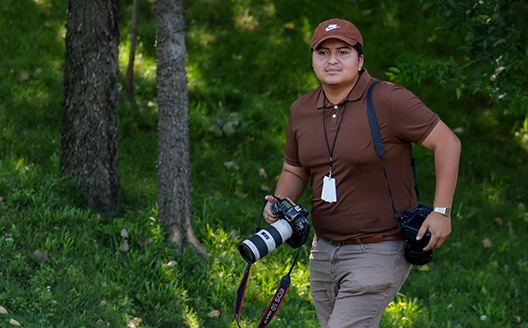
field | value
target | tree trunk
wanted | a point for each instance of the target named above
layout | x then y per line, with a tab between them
174	169
89	122
129	82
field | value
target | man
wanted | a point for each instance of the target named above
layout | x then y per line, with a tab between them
356	263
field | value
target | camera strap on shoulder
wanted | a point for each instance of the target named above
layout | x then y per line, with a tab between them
277	299
380	148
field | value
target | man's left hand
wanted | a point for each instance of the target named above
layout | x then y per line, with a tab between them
439	226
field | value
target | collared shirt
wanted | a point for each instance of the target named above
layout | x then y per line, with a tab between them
363	206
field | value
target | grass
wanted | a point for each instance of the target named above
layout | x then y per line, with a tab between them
62	265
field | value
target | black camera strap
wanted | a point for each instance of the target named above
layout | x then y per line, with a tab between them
277	299
380	148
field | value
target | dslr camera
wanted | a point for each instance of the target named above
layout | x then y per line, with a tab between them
292	228
410	222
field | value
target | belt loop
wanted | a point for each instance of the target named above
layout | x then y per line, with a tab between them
358	240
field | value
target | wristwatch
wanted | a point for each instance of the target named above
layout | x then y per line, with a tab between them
445	211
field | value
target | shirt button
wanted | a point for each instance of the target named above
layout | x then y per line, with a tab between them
336	107
334	116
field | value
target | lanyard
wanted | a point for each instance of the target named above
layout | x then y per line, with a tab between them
331	151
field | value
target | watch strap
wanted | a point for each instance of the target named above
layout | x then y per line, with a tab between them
445	211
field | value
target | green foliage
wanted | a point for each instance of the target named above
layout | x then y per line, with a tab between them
405	312
492	56
62	265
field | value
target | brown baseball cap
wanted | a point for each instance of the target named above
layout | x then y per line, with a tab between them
336	28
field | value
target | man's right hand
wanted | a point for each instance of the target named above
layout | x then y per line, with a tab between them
292	182
268	216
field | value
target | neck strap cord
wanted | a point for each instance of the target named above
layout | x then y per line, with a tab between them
331	151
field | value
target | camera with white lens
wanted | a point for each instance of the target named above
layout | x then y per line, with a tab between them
292	227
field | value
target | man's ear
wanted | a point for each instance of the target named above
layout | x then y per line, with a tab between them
361	61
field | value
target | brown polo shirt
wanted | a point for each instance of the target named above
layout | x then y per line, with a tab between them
363	206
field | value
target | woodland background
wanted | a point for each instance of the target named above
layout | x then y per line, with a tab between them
64	265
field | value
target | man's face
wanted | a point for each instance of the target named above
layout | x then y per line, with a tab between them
336	63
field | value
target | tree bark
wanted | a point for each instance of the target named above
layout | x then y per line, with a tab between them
174	169
89	122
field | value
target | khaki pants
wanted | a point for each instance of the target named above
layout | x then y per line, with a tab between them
352	285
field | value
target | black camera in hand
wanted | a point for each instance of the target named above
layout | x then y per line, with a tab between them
292	227
410	222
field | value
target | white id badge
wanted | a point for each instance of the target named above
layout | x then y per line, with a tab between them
329	190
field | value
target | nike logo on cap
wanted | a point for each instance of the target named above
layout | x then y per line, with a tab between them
332	27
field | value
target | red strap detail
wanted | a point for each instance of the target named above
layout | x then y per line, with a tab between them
276	301
240	293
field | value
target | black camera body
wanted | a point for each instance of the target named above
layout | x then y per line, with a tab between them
410	222
296	216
